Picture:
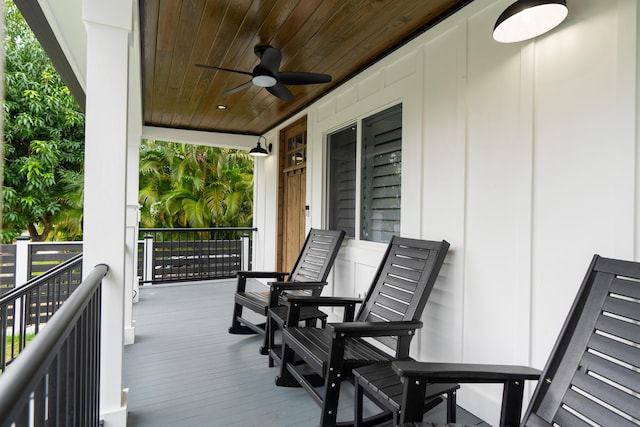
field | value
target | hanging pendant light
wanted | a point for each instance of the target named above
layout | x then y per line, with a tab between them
259	151
526	19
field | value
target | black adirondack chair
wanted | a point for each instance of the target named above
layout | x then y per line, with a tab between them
389	314
591	378
308	277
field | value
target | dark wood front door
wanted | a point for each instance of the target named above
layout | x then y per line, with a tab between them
292	193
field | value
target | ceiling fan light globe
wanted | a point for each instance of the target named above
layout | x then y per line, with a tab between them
264	81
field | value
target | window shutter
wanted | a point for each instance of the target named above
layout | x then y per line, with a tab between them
342	181
381	175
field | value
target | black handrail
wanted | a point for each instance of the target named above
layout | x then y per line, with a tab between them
205	229
56	378
34	282
33	304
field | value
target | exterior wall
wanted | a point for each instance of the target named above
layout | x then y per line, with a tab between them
524	157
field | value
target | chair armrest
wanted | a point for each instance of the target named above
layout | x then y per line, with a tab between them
296	302
375	329
416	375
296	286
277	288
320	301
279	275
242	276
464	372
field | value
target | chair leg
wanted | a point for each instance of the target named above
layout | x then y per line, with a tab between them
451	407
383	417
285	379
271	334
330	401
511	403
357	404
333	378
236	326
264	349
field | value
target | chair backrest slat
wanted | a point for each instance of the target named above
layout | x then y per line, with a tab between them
403	282
593	374
384	313
317	255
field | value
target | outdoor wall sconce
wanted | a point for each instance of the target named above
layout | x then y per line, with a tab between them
259	151
526	19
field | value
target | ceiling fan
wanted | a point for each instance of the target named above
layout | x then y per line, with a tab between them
267	74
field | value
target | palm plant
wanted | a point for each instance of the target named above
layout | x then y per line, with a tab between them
182	185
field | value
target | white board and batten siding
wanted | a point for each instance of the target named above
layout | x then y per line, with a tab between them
525	157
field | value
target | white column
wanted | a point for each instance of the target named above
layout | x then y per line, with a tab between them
147	262
244	256
23	245
133	172
131	267
22	260
108	25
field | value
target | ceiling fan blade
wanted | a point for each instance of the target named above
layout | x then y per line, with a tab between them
237	88
223	69
302	78
281	91
270	60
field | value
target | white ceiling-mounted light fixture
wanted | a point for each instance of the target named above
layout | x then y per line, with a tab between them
259	151
526	19
264	80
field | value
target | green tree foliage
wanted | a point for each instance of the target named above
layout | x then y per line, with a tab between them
183	185
180	185
44	141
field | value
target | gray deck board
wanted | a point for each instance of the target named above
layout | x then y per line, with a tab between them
186	370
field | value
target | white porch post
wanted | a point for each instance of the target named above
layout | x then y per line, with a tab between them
133	172
131	268
22	260
108	25
23	245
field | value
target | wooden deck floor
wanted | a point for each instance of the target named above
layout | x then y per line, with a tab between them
185	369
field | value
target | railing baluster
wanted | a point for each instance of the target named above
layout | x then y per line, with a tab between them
22	420
39	403
172	251
22	334
63	390
54	390
4	309
80	393
95	359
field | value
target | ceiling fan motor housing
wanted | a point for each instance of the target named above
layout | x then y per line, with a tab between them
263	78
267	74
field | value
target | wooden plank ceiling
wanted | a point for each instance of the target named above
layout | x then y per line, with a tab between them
335	37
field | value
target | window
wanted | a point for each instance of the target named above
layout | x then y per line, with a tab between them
377	186
296	149
342	181
381	167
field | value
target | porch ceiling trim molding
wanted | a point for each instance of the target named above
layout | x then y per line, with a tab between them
198	137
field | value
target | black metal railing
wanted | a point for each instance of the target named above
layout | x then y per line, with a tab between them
181	254
40	257
45	255
56	379
25	309
164	255
7	268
